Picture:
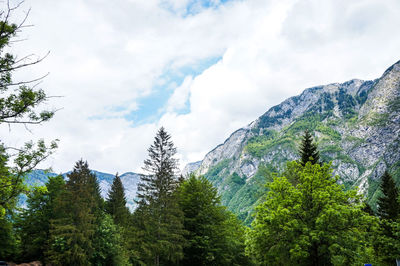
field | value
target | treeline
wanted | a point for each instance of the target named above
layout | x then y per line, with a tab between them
306	218
177	221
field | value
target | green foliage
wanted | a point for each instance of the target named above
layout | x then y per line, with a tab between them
215	237
266	120
160	220
309	121
328	131
308	150
250	194
237	179
232	183
258	146
215	170
108	244
388	202
386	241
9	186
346	103
34	222
377	119
313	222
332	149
116	203
19	104
77	215
8	239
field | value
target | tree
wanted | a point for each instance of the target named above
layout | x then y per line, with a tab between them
116	203
308	150
108	244
19	104
388	202
315	222
157	204
34	223
386	241
215	236
78	214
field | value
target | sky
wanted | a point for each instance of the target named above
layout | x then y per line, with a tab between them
121	69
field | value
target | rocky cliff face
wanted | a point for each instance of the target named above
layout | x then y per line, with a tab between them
356	125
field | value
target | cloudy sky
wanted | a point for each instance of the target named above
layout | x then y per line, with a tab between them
201	69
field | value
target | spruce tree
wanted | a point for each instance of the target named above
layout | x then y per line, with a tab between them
116	202
157	202
308	150
386	242
388	202
77	214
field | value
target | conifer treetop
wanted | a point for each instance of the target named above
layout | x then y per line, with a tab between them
388	202
308	149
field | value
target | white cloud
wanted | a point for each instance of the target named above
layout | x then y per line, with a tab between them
180	96
105	55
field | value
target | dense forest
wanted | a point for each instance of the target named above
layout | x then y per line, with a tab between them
305	216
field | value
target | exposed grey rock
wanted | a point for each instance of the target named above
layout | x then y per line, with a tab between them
190	168
231	148
367	141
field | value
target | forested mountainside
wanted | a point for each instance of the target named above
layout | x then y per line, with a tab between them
356	125
129	181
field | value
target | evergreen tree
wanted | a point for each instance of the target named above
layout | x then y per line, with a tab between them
386	241
77	215
116	202
308	150
215	236
158	205
34	222
388	202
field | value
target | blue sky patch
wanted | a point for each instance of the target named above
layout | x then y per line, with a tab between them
195	6
153	106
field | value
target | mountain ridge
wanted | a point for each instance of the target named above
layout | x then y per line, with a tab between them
356	124
39	177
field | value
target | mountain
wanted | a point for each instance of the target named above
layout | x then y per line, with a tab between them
356	125
129	180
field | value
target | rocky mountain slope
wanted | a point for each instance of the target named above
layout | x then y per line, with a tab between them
129	180
356	125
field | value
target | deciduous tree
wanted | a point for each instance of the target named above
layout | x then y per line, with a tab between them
315	222
20	103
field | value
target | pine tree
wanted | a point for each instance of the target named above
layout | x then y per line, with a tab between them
116	202
77	215
163	227
388	202
308	150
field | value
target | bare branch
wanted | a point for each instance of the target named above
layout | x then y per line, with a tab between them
25	65
29	81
